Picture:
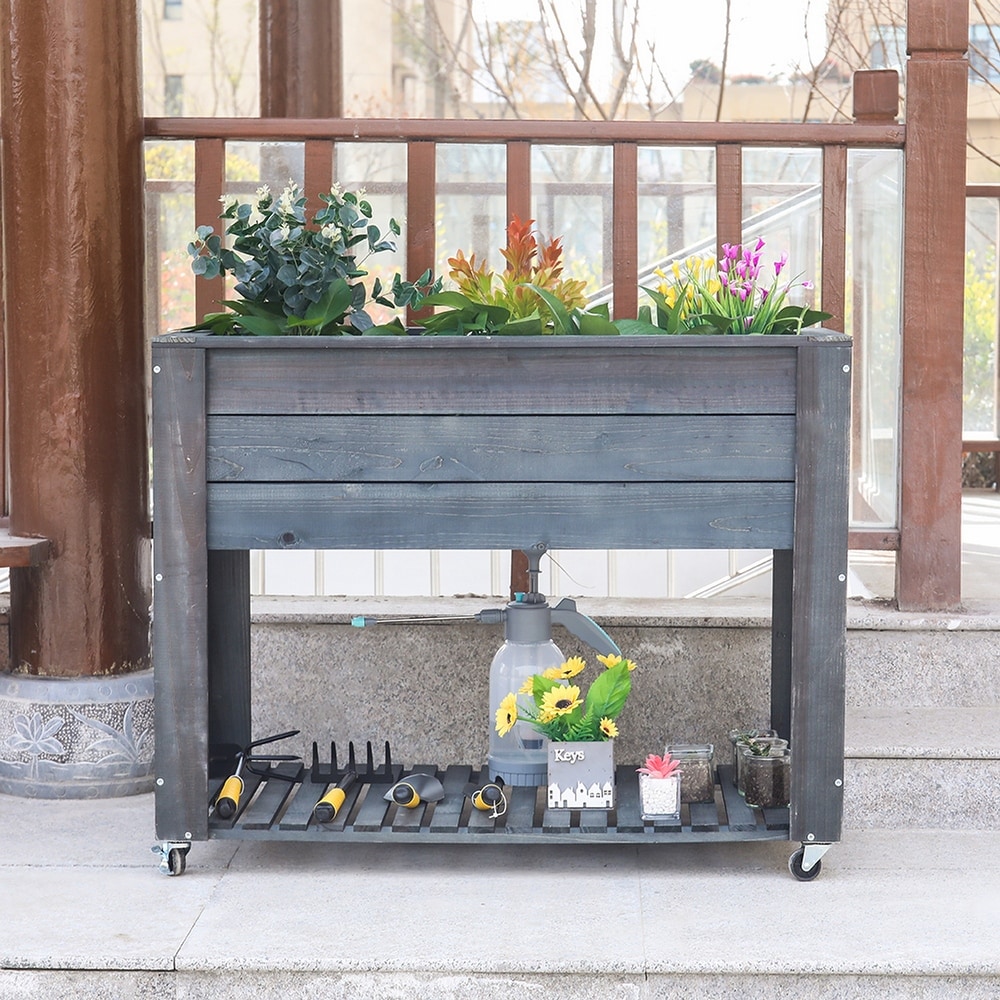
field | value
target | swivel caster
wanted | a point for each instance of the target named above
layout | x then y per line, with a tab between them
807	854
173	856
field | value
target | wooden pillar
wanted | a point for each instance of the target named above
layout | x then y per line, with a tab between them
929	562
73	246
300	59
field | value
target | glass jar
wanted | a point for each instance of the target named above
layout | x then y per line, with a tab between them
695	766
738	736
773	743
660	798
767	779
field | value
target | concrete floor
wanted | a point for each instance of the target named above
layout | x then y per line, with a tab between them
86	913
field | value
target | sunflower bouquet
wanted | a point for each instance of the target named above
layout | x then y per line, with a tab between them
560	711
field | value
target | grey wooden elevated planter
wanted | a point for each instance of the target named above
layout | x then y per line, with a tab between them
590	442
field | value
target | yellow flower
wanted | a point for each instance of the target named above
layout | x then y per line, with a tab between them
609	728
528	687
560	700
507	715
612	660
573	666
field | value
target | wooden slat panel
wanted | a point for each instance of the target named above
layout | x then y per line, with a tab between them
704	817
180	595
229	648
506	378
740	817
627	808
819	594
299	813
500	515
556	820
593	820
501	449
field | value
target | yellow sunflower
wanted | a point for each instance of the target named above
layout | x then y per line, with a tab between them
609	728
507	715
560	700
573	666
527	687
553	673
612	660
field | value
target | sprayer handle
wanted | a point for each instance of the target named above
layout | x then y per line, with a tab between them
584	628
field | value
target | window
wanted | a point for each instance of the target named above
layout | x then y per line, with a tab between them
173	95
173	10
984	54
888	47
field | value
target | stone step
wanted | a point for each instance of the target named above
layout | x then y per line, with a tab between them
917	767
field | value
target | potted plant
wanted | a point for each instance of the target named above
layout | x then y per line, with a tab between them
580	728
660	788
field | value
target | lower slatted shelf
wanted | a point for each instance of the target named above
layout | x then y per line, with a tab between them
281	809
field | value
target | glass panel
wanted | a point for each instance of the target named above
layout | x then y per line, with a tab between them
782	204
169	227
676	206
378	169
471	203
571	200
979	412
872	317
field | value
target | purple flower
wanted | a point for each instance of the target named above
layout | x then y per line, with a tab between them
808	285
780	263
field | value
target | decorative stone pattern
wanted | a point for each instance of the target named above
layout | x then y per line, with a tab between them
82	737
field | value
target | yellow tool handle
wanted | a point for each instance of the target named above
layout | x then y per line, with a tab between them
229	798
487	797
327	808
405	795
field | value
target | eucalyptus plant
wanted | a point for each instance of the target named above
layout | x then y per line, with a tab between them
294	275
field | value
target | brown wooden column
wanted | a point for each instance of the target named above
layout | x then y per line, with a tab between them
929	562
73	246
300	59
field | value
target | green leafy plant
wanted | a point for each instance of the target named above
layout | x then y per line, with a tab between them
294	275
559	710
733	297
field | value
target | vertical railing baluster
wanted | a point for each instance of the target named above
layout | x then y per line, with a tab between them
209	183
421	205
518	180
625	229
317	171
728	194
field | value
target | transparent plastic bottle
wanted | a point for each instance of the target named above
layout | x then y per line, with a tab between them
521	756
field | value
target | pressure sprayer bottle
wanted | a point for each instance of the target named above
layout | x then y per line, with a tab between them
521	756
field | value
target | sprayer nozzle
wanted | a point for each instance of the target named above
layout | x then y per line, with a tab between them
360	621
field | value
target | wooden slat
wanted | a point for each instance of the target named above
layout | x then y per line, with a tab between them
601	448
728	195
593	820
373	809
519	180
18	551
819	594
421	203
500	515
448	811
263	810
704	817
317	172
209	184
740	817
299	813
627	807
834	242
556	820
685	133
520	808
625	239
498	378
180	594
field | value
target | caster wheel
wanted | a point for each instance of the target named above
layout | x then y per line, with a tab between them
176	861
795	867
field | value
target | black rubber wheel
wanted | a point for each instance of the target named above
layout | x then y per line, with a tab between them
176	861
795	867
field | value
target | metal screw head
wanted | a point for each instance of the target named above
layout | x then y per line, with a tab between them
838	782
159	781
847	368
810	836
156	368
187	835
841	577
159	577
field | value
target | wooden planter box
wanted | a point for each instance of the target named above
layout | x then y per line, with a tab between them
589	442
